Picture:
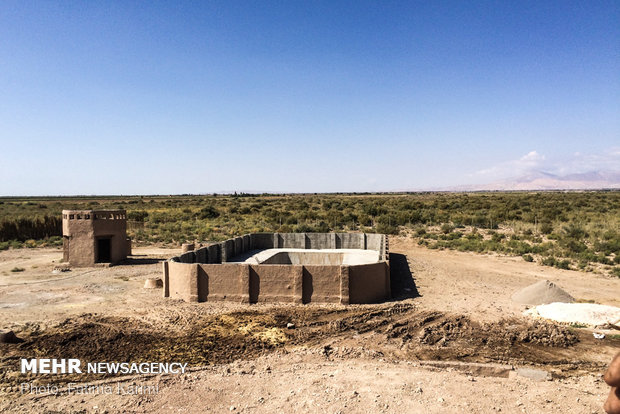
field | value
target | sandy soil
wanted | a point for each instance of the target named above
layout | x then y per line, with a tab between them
368	358
38	295
481	285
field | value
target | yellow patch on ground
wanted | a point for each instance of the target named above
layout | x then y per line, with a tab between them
273	335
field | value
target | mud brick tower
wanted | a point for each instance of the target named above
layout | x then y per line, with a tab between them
94	236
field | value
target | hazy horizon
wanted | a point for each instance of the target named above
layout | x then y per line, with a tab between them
295	97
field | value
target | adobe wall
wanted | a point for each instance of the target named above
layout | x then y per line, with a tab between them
365	285
82	228
224	251
277	283
204	275
184	283
223	282
322	284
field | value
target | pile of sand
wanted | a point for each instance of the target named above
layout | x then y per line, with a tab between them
541	293
584	313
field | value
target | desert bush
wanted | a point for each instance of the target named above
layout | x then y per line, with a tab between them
447	228
563	264
15	244
304	228
546	227
498	237
137	215
387	229
30	243
573	246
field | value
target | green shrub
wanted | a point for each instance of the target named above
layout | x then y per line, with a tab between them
474	236
137	215
16	244
452	236
497	237
574	246
208	212
323	227
528	258
608	246
387	229
304	228
546	227
601	258
575	231
447	228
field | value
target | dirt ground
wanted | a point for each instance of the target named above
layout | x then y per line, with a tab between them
450	307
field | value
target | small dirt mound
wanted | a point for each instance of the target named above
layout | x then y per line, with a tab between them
538	333
449	329
541	293
504	333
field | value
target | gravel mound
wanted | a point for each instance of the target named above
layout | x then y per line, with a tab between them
584	313
541	293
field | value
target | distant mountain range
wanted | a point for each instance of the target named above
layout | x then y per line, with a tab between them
539	180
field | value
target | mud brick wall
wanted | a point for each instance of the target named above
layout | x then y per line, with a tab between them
204	274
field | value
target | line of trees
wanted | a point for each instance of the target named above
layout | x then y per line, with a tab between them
23	229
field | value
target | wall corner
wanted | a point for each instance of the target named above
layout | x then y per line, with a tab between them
166	279
298	284
193	283
344	285
244	282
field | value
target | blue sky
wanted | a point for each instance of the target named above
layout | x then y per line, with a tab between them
303	96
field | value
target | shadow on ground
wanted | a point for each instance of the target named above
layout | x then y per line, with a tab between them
130	261
401	279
